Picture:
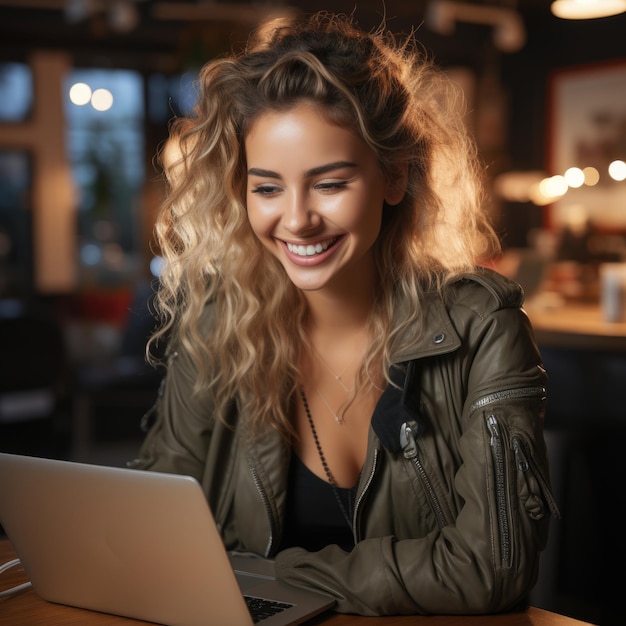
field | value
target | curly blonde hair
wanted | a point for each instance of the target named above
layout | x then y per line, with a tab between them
405	109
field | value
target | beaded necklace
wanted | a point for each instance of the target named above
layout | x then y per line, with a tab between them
347	515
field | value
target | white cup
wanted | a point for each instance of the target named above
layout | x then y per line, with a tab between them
613	291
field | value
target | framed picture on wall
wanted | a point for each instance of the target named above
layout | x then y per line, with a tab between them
587	129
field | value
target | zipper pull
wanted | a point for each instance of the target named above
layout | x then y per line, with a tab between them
520	456
407	439
492	425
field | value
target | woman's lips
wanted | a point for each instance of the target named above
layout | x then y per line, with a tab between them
310	253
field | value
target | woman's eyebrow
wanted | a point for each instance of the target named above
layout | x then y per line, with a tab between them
316	171
256	171
323	169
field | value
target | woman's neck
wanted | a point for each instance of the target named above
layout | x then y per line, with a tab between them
338	328
345	304
336	314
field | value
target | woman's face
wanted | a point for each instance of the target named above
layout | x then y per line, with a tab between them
315	197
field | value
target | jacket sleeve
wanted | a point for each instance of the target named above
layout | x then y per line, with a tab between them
178	441
484	557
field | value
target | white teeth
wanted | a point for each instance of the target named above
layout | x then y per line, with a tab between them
310	249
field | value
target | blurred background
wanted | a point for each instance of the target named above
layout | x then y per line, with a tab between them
87	88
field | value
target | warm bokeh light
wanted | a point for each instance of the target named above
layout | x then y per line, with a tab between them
536	196
617	170
574	177
524	186
592	176
80	94
515	186
553	187
102	100
548	190
587	9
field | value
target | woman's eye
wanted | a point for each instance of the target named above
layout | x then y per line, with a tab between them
265	190
331	185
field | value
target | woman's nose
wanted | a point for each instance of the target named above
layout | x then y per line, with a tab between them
299	214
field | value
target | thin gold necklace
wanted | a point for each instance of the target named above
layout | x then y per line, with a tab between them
339	419
337	377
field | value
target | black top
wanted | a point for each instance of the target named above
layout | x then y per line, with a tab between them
314	518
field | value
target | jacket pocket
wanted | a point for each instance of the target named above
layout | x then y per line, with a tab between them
533	486
518	480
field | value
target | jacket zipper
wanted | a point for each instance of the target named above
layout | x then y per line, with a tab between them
266	506
410	451
520	447
360	497
497	452
508	394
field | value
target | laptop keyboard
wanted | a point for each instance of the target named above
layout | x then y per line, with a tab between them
261	609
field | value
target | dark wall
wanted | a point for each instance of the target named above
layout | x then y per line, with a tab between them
552	44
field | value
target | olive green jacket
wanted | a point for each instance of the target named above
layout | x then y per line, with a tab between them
453	502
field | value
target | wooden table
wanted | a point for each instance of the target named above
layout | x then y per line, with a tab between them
27	608
578	326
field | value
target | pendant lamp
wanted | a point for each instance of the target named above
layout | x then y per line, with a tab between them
587	9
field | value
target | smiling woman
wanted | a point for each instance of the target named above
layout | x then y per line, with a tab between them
319	210
360	398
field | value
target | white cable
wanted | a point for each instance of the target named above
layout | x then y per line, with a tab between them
7	593
8	565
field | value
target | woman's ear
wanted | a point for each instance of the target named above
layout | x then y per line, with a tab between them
396	185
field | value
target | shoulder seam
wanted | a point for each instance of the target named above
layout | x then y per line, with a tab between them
506	292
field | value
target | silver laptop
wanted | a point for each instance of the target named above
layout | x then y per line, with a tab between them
138	544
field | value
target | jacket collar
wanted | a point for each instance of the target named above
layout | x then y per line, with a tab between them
436	335
400	403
